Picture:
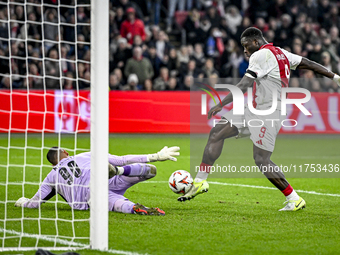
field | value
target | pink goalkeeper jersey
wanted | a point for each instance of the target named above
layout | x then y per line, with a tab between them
71	179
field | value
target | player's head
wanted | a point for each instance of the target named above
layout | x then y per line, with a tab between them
252	39
55	154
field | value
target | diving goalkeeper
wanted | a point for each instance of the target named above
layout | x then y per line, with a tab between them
70	178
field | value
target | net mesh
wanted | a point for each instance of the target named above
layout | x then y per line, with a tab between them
45	64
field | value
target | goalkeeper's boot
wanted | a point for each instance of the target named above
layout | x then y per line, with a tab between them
294	205
113	170
142	210
196	189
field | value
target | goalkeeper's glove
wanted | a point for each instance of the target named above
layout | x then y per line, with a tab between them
21	201
164	154
336	79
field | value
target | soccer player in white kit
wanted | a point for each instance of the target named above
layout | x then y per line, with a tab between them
268	71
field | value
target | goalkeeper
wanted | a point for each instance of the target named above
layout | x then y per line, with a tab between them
70	178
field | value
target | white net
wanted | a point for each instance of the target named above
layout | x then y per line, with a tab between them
45	65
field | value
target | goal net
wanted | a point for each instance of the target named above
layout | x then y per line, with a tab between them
45	101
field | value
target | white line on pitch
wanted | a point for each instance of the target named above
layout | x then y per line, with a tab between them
259	187
63	242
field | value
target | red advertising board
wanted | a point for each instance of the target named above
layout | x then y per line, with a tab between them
141	112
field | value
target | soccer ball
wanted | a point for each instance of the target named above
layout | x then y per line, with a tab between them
180	182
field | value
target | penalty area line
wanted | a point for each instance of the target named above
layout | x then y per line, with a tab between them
259	187
56	240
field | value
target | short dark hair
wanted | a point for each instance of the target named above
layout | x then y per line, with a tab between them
252	33
52	155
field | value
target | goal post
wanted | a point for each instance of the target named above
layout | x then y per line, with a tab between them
99	123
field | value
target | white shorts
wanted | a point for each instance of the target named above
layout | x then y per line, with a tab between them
261	129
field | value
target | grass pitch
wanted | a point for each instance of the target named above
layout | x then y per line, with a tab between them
227	220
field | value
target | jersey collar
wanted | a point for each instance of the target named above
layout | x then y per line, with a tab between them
264	45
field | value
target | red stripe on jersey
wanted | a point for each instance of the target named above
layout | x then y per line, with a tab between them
254	95
282	61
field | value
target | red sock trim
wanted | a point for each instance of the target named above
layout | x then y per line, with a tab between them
205	167
287	191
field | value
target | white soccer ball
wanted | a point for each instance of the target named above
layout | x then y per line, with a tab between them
180	181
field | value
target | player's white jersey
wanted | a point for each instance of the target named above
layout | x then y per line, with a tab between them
270	66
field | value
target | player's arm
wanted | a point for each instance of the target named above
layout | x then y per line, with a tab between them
320	69
164	154
44	193
246	81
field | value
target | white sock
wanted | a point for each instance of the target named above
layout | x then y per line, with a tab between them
120	170
293	196
201	176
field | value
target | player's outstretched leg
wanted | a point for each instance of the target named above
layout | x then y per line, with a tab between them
277	178
123	205
212	151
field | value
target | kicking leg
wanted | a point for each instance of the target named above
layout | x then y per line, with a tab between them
212	151
277	178
214	147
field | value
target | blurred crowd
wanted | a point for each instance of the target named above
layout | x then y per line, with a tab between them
146	52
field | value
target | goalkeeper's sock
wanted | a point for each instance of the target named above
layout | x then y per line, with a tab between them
203	172
290	193
136	170
123	206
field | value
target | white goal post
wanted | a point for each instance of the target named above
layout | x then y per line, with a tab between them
100	123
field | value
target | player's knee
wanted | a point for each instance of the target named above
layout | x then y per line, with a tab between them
215	134
151	172
260	160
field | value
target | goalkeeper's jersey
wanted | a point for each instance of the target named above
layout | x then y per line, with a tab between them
71	179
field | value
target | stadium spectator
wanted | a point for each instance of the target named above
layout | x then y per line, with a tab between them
233	18
119	17
155	61
118	72
172	62
162	45
52	70
114	83
204	29
192	25
162	81
132	82
198	55
122	54
148	85
139	65
209	68
51	30
68	81
34	78
5	82
187	82
132	26
172	84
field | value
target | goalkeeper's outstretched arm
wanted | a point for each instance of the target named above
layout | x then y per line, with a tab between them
164	154
44	193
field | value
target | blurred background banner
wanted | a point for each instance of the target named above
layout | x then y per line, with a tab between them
144	112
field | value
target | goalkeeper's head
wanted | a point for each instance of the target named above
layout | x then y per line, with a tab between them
55	154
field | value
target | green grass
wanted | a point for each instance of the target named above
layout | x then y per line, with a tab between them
226	220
